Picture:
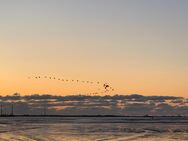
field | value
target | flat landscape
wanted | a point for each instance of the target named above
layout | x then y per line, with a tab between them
92	129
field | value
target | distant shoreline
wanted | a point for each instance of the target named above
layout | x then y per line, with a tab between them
100	118
94	116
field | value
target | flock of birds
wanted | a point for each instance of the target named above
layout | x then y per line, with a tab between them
106	87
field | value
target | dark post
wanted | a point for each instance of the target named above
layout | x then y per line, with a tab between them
12	110
1	109
44	109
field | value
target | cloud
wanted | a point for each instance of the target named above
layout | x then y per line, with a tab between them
134	104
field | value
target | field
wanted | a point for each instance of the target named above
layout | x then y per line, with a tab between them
92	129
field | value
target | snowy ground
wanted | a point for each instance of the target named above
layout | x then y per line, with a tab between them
89	129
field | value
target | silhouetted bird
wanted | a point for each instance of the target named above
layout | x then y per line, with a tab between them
106	86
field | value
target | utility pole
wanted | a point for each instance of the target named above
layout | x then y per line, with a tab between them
5	111
1	109
12	109
44	109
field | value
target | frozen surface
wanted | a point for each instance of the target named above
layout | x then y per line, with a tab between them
89	129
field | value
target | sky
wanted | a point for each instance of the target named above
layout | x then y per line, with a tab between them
137	46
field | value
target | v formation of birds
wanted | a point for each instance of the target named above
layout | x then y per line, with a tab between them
106	87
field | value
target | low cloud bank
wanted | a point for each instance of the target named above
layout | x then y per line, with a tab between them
95	105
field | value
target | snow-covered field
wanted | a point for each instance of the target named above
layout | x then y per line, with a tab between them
90	129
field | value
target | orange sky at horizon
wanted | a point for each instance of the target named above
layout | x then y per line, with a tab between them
27	86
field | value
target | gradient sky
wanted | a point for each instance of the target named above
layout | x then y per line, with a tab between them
138	46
